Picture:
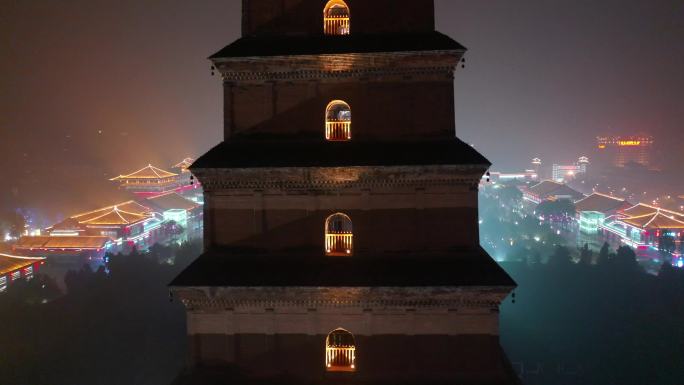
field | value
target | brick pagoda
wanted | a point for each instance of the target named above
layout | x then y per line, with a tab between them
341	211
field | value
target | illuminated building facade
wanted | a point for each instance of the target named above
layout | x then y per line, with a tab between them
620	151
564	173
135	223
179	210
127	224
341	220
149	181
595	208
644	226
536	165
14	268
67	250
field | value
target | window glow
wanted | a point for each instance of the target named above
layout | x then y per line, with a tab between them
340	351
339	237
336	18
338	121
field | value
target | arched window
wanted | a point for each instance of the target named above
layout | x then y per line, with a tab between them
340	351
338	121
338	235
336	18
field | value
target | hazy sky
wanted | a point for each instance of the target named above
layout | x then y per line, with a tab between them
96	88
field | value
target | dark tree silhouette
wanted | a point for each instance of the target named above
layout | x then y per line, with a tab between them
625	260
561	257
535	258
586	255
111	327
604	254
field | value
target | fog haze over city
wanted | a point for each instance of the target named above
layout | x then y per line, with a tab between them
139	247
102	88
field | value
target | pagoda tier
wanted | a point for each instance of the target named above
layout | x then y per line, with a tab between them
390	95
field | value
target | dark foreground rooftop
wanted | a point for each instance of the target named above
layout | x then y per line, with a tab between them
265	153
471	267
316	45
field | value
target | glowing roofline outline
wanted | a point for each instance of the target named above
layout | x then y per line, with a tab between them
654	216
185	163
677	214
118	212
152	168
21	257
109	208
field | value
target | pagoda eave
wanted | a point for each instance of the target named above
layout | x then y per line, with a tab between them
241	154
254	46
460	268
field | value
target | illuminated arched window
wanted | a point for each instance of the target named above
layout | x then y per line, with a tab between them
338	121
338	235
340	351
336	18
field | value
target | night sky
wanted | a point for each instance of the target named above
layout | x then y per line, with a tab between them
90	89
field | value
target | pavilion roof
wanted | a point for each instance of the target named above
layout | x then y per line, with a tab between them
116	216
171	201
185	163
128	206
600	203
10	263
656	220
548	187
644	209
71	242
147	172
544	187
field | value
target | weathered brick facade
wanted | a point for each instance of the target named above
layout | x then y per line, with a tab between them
415	290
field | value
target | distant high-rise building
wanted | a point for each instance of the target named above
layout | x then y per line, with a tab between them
583	162
536	164
536	168
619	151
563	173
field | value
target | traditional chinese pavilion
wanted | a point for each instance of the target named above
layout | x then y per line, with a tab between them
595	208
14	268
184	165
643	226
149	180
550	190
116	221
189	186
341	212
